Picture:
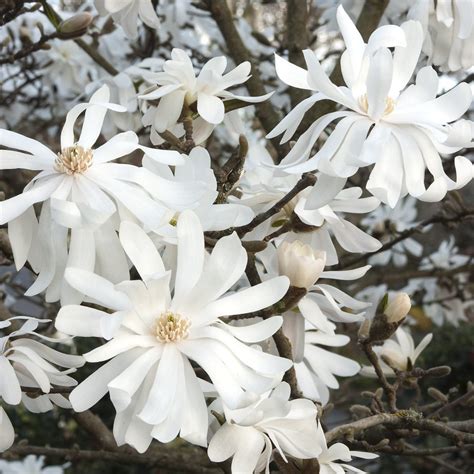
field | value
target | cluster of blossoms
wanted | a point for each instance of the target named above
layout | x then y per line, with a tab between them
182	284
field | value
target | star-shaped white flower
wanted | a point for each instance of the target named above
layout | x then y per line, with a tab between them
126	13
178	85
156	333
81	190
401	130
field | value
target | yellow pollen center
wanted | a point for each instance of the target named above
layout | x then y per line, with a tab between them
172	327
364	104
73	159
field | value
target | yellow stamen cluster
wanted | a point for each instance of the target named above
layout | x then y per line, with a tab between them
364	104
72	160
172	327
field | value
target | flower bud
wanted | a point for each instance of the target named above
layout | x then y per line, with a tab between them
75	26
389	316
397	308
364	329
437	395
300	263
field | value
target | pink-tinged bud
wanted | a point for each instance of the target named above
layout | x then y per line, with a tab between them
300	263
397	308
75	26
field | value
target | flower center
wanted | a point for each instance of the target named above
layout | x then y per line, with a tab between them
172	327
73	159
364	104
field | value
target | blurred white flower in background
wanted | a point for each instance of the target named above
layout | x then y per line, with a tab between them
449	32
31	464
126	13
386	224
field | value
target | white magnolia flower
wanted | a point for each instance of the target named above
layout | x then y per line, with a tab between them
300	263
30	465
401	130
401	353
386	224
80	189
29	363
328	21
317	367
442	301
155	335
445	257
320	209
197	167
126	13
178	86
449	30
338	452
323	301
68	67
309	325
249	433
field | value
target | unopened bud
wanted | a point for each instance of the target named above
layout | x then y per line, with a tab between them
360	411
300	263
441	371
437	395
75	26
397	308
364	329
389	316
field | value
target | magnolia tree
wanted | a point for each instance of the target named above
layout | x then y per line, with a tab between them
214	209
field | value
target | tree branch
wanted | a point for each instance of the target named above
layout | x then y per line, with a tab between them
223	17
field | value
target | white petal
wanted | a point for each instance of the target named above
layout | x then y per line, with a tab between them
291	74
97	288
250	299
190	255
87	322
141	250
210	108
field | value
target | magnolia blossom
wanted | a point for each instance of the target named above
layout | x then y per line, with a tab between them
323	301
29	363
178	87
401	353
154	336
249	433
81	190
300	263
319	211
387	223
449	32
30	465
401	130
337	452
441	299
309	325
68	67
126	13
212	215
